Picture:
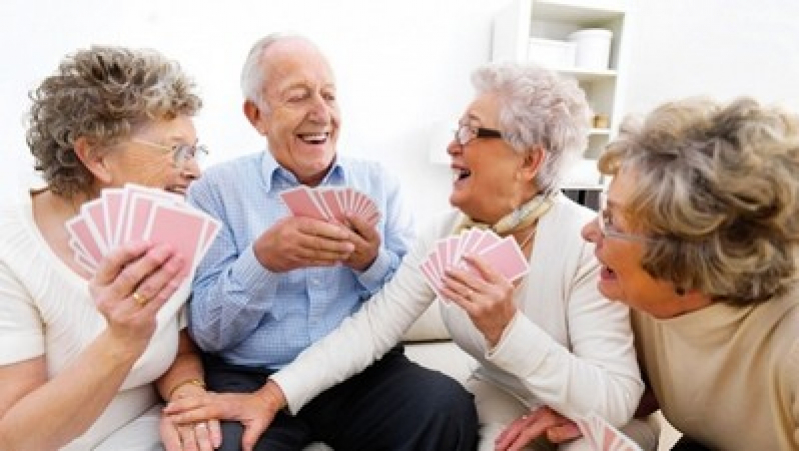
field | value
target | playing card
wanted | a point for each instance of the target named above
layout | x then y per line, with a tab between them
301	202
137	216
603	436
587	429
433	279
114	200
83	241
501	254
138	205
182	228
504	257
332	204
94	213
135	213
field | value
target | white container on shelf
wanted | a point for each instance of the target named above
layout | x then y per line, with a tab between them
593	48
551	53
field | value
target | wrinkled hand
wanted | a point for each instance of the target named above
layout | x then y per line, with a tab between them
366	240
255	411
540	421
131	284
199	436
298	242
205	435
487	297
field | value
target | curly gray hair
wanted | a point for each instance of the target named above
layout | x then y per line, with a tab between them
103	94
716	188
539	108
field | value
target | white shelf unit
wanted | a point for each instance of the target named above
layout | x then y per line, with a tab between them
521	20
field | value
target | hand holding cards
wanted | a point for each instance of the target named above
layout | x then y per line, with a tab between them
330	203
139	213
501	254
602	436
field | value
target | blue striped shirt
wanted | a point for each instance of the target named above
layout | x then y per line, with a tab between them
251	316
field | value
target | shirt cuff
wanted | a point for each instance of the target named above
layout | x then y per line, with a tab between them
293	388
375	276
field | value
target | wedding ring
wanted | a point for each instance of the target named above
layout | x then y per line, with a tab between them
140	298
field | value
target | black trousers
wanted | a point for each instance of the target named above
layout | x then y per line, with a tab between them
393	405
688	444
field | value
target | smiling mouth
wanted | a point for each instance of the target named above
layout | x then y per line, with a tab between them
459	174
314	138
177	189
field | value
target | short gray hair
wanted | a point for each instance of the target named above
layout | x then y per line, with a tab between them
252	76
539	108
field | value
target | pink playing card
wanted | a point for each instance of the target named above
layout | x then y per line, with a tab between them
301	202
94	213
431	277
114	200
139	201
84	239
137	216
506	258
211	230
182	228
602	436
332	205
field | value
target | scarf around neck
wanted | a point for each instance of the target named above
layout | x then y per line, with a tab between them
520	218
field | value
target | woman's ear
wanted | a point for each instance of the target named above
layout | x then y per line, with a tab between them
532	162
93	160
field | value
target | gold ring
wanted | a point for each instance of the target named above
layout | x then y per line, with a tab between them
140	298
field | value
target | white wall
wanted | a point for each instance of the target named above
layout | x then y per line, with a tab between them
401	65
721	48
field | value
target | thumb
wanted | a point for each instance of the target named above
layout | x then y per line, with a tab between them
563	432
252	432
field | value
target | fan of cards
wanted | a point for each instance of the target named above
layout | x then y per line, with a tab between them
501	254
602	436
136	212
330	203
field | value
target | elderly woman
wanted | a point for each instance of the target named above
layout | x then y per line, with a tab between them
699	235
84	357
549	339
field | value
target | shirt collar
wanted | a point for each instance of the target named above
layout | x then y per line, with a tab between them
271	171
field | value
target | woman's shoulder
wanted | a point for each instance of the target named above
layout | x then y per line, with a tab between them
16	221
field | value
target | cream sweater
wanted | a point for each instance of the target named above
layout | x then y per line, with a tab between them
567	347
45	309
726	376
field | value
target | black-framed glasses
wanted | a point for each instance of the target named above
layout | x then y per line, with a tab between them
608	229
181	153
465	133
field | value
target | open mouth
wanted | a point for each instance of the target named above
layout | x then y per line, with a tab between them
177	189
459	174
314	138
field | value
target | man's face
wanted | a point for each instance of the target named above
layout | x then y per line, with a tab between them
300	117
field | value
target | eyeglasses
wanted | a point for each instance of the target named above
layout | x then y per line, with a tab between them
466	133
608	229
181	153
